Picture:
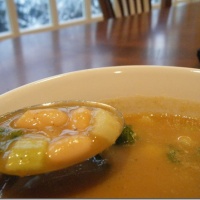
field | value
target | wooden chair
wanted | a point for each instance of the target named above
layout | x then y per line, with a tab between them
166	3
123	8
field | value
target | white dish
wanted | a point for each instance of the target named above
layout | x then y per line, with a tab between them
108	82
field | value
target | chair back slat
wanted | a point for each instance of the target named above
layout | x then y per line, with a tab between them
132	7
107	9
124	8
166	3
128	7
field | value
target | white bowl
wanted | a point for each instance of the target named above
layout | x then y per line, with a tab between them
105	83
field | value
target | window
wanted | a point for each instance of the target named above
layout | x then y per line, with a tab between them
4	20
95	9
23	16
69	10
32	14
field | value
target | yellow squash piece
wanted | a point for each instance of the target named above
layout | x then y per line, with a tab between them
26	155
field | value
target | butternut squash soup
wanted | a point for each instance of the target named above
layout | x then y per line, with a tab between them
157	155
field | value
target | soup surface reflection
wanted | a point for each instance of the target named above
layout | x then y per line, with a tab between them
162	163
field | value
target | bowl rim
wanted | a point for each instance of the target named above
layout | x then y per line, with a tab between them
151	75
102	69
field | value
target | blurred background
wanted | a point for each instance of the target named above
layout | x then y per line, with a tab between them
19	17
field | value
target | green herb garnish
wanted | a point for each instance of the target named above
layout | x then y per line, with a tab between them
7	136
127	136
173	155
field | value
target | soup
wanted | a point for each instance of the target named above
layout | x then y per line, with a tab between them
163	162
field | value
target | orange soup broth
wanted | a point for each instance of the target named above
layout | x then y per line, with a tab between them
144	169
